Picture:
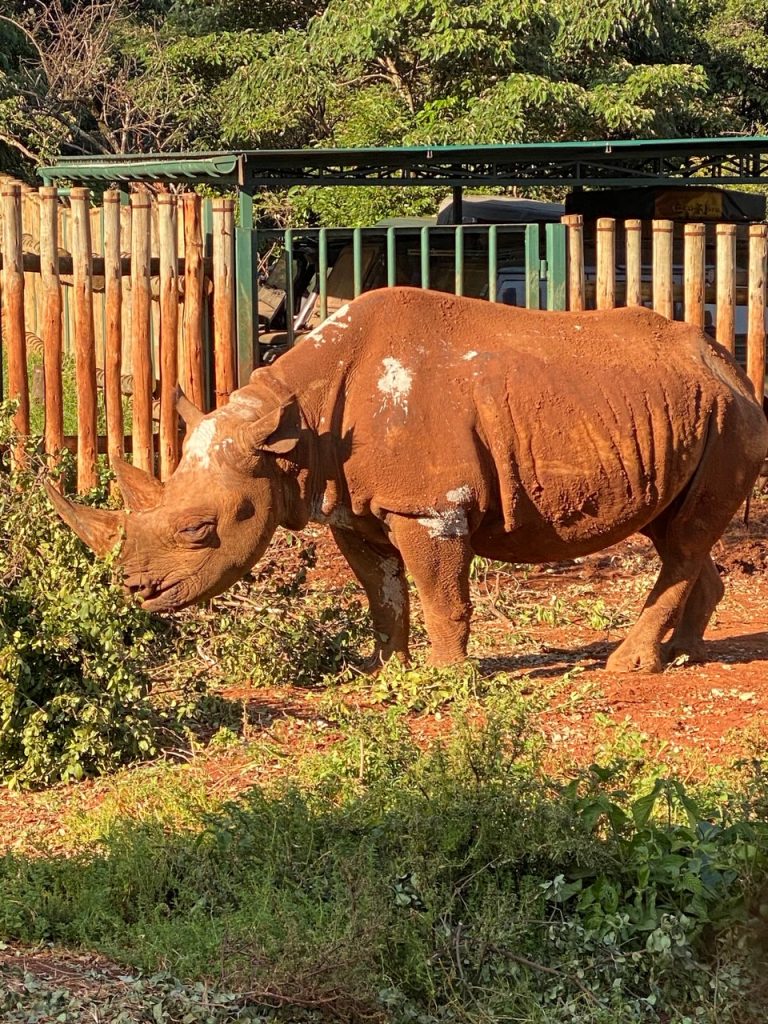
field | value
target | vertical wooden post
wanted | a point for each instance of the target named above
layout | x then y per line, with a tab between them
141	348
50	287
113	355
693	281
29	235
606	263
13	306
169	316
223	299
634	261
726	286
194	371
85	339
663	298
758	256
574	223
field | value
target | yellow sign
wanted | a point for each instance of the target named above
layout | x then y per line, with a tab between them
698	204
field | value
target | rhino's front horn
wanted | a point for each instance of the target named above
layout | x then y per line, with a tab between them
188	410
97	527
140	490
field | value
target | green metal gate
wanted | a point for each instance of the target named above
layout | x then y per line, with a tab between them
522	265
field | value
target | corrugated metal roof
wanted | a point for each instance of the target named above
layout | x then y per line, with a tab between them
723	160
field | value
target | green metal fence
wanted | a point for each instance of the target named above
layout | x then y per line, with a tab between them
314	268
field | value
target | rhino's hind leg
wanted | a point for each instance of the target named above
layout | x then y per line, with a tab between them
686	640
439	564
641	650
380	570
688	588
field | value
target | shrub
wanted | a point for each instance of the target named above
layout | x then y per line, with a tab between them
74	656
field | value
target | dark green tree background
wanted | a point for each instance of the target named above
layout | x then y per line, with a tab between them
112	77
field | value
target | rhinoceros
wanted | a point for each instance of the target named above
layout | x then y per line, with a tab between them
425	429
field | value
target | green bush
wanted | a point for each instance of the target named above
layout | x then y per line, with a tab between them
461	884
74	655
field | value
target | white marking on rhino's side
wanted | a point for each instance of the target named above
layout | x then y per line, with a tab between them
459	494
391	585
469	355
451	522
395	383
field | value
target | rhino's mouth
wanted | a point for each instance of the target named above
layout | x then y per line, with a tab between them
155	597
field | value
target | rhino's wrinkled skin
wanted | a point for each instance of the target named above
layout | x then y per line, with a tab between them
425	429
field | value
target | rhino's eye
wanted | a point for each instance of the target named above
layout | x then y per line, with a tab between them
196	533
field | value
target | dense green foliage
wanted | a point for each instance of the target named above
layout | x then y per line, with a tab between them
176	74
458	885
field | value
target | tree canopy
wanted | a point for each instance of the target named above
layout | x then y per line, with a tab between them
111	77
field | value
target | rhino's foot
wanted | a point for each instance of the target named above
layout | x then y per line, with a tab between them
635	659
373	664
692	652
446	659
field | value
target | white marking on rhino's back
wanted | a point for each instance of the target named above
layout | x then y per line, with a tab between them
335	319
395	382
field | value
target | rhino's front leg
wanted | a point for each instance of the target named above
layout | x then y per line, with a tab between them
439	565
380	570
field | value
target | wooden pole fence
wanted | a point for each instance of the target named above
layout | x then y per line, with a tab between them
726	282
224	299
13	307
758	256
606	263
169	360
51	322
141	342
113	353
193	363
694	274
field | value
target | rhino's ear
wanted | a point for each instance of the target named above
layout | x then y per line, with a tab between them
99	528
140	490
276	431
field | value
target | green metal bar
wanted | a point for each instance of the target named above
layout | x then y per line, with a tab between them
208	371
459	260
322	272
556	266
425	257
246	290
532	266
289	287
357	260
493	262
391	258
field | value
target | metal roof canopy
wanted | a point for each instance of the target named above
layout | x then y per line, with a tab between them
736	160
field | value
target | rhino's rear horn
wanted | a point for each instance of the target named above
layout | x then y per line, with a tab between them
188	410
99	528
140	490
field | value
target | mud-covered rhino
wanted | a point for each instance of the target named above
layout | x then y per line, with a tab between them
425	429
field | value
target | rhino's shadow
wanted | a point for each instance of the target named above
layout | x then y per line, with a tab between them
555	661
